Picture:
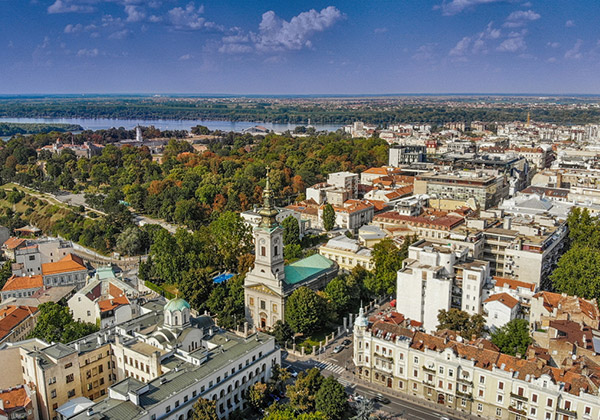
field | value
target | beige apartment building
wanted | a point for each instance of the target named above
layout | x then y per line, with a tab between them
472	377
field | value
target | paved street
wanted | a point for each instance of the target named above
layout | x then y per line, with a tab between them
340	365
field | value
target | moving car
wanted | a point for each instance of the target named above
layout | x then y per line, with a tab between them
338	349
381	399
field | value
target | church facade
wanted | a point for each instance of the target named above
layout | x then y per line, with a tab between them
270	282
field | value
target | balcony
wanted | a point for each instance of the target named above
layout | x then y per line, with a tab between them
518	397
429	369
429	382
466	395
464	381
566	412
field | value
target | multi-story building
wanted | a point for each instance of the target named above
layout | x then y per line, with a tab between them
345	180
351	215
485	188
16	322
473	377
437	277
401	155
347	253
18	403
157	364
105	299
30	258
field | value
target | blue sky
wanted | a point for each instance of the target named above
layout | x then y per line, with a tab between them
299	47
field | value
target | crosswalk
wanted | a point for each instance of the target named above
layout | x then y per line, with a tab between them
330	367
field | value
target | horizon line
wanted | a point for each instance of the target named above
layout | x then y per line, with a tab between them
314	95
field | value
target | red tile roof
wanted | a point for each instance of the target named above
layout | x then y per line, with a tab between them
513	284
503	298
14	398
23	282
67	264
11	316
13	242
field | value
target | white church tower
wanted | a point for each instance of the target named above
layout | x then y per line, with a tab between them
264	294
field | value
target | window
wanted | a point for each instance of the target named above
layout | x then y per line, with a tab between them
251	301
416	360
71	393
168	409
500	385
482	379
69	378
276	250
275	308
185	399
479	407
463	402
416	373
176	403
498	411
68	365
500	398
53	393
194	393
567	405
263	304
263	251
450	373
441	370
533	411
549	402
534	398
153	417
587	411
481	393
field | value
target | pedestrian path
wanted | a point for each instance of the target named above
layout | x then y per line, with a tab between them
329	366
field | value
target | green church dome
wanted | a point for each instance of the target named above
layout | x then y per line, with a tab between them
177	304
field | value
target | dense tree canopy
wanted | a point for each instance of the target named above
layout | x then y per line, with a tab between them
513	338
331	399
328	217
461	322
304	310
55	324
204	409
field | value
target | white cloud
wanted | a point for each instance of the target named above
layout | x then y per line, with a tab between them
134	13
122	34
189	18
456	6
67	6
575	52
520	18
553	44
570	23
185	57
461	47
513	44
380	30
425	52
276	34
84	52
476	44
72	29
551	60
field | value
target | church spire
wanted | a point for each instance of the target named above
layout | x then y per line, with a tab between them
268	212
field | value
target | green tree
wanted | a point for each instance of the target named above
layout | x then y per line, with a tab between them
303	310
132	241
291	231
195	286
292	252
303	392
5	272
513	337
257	395
284	412
584	230
279	377
578	272
282	332
340	295
55	324
204	409
331	399
388	259
461	322
232	238
328	217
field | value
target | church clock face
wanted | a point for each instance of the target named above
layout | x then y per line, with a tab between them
262	241
276	241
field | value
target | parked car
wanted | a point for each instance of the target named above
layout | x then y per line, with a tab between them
293	372
346	342
359	398
381	399
338	349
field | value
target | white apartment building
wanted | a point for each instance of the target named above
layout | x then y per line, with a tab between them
438	277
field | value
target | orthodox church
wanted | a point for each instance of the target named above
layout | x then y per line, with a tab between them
270	282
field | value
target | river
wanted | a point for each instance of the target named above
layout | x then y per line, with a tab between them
105	123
